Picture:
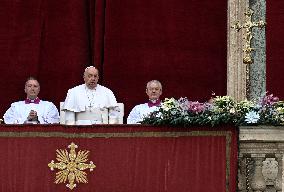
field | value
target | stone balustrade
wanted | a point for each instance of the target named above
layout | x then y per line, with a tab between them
261	150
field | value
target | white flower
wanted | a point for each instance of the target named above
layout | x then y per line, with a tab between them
169	104
232	110
159	115
166	108
252	117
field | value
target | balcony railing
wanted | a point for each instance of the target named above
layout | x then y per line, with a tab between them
261	150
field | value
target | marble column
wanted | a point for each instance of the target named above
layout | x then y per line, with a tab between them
257	77
245	81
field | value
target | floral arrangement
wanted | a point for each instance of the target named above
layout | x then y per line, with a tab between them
268	110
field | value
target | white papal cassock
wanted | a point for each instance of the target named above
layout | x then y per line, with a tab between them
139	112
81	100
19	111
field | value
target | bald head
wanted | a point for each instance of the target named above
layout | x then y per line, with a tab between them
91	77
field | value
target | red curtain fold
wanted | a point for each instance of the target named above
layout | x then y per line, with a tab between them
177	42
46	39
65	49
132	159
97	24
275	48
181	43
20	46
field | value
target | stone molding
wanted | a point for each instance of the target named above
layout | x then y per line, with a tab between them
264	146
262	133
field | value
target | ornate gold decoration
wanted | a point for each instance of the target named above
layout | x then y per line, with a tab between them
71	166
248	25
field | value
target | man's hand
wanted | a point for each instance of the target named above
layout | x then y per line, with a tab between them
32	116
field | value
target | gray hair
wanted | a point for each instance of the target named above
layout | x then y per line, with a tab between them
89	67
154	81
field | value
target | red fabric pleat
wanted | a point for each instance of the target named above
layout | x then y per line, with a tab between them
275	48
181	43
48	39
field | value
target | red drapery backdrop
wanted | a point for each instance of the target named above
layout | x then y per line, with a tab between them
50	40
128	158
275	47
182	43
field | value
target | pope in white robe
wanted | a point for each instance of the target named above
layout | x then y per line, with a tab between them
86	103
139	112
